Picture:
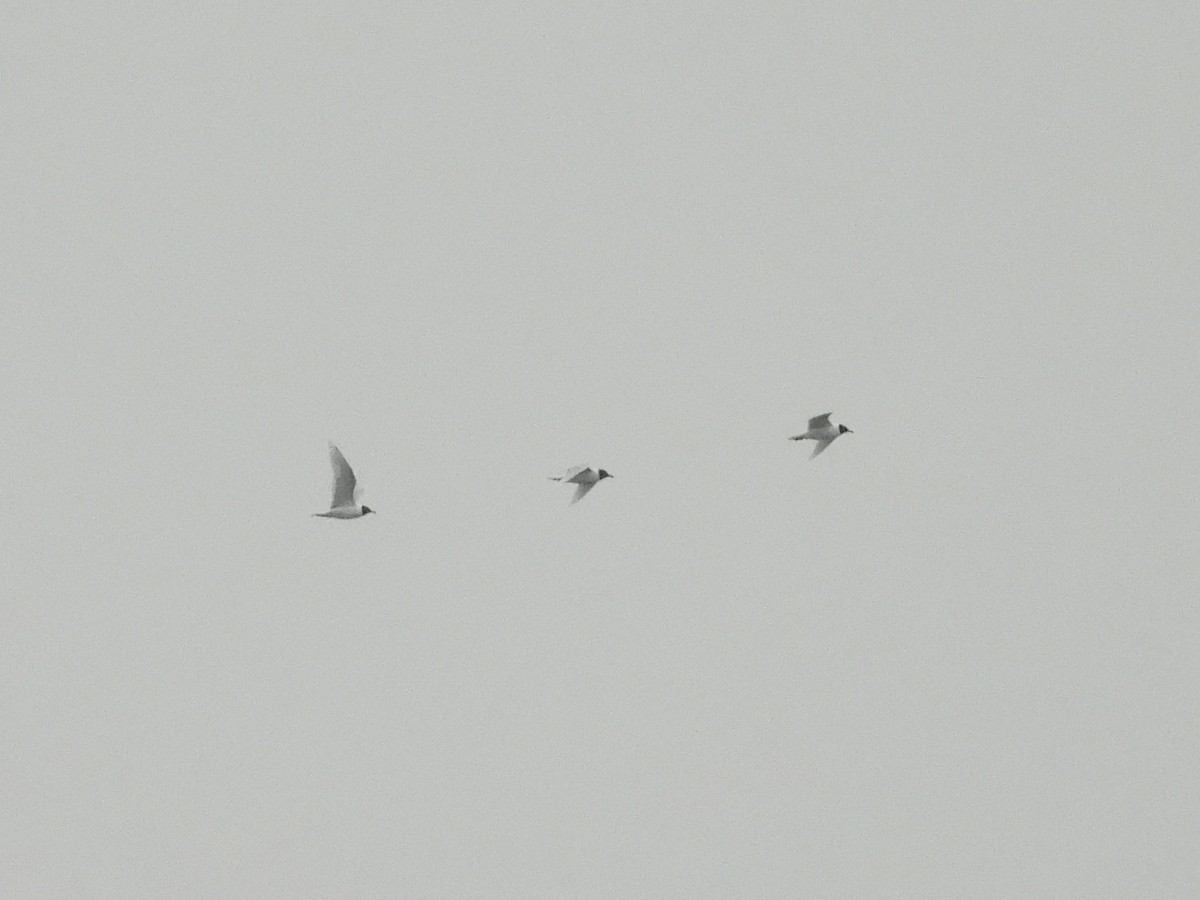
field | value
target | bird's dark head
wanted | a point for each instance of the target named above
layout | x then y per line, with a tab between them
842	429
367	509
601	475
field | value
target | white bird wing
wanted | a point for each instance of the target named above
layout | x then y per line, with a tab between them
581	491
573	474
819	422
345	487
820	448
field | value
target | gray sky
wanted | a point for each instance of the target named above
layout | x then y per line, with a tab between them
954	656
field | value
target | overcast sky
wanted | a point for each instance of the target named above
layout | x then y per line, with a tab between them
954	656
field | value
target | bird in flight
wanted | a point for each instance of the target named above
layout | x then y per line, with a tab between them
345	503
821	430
584	477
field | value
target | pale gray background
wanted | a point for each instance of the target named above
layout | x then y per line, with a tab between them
955	656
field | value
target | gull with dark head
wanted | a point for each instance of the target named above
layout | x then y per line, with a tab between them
821	430
582	476
345	503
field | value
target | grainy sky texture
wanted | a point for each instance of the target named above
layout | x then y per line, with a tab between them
955	656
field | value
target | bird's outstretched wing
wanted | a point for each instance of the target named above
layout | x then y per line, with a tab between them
819	421
581	491
820	448
572	474
344	483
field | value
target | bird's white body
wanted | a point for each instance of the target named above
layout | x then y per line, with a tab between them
584	477
821	430
342	512
345	503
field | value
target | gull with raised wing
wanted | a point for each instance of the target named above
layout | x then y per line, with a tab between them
345	503
821	430
584	477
